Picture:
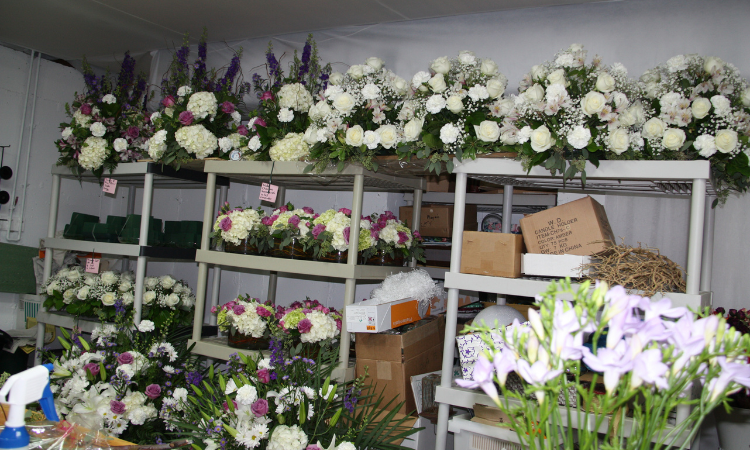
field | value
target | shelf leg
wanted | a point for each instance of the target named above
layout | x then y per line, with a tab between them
217	269
273	277
140	271
125	267
507	222
451	314
51	229
707	257
695	236
200	288
416	217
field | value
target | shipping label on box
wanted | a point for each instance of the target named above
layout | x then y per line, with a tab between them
574	228
437	220
370	316
554	265
492	254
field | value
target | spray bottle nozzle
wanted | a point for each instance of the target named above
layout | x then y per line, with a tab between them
21	389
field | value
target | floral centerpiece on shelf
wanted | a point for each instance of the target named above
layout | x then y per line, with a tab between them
125	381
277	131
357	117
87	294
107	123
237	226
199	117
569	113
700	109
287	403
288	227
384	236
649	356
330	233
455	110
248	322
167	302
308	322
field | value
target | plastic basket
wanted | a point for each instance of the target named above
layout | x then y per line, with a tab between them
31	304
469	440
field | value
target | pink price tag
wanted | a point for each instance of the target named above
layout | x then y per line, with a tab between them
109	185
92	265
268	192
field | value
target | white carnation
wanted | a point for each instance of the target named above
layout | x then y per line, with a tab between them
285	115
109	99
706	145
98	129
120	144
579	137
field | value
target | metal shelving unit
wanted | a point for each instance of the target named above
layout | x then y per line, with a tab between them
636	177
291	175
144	175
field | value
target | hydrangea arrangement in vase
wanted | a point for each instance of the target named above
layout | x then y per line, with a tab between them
308	325
277	130
199	116
328	239
107	123
248	322
569	112
649	356
700	109
357	117
289	227
455	109
241	230
385	240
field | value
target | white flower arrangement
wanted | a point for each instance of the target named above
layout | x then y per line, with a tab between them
246	315
197	140
93	153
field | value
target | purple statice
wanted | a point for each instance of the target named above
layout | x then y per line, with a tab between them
193	378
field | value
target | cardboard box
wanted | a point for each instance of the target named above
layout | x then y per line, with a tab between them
437	220
370	316
402	347
571	228
441	183
490	413
554	265
494	254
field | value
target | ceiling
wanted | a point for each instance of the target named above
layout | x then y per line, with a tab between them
103	29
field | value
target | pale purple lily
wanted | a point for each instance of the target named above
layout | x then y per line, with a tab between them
730	372
661	308
483	371
612	362
648	368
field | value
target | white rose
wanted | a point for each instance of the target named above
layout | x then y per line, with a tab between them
120	144
627	118
73	275
98	129
413	129
125	286
344	103
505	106
454	104
579	137
489	67
437	83
713	64
109	277
336	78
172	300
673	138
700	107
109	99
538	72
619	141
435	104
449	133
108	298
83	293
370	91
356	72
745	97
371	139
167	282
355	136
557	77
441	65
67	132
721	104
54	286
654	128
311	135
496	88
706	145
726	140
319	110
388	136
399	85
149	297
487	131
375	62
621	100
541	139
593	103
535	93
652	89
68	296
605	82
466	57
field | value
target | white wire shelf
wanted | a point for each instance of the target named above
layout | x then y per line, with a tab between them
131	174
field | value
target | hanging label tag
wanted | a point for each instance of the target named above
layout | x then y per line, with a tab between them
268	192
109	185
92	265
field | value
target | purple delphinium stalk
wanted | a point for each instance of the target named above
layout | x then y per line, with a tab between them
226	82
119	308
350	400
126	77
199	68
304	68
274	69
277	356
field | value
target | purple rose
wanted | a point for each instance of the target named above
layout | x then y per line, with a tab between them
382	222
294	221
85	109
269	220
346	211
417	236
92	368
117	407
304	326
227	107
238	310
308	210
259	122
375	234
133	132
225	224
402	237
338	324
264	376
125	358
153	391
260	407
284	209
319	228
268	95
316	216
346	234
186	118
168	101
242	129
262	312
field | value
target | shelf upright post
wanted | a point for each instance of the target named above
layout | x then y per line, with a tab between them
51	228
695	236
273	277
217	269
200	288
446	378
140	271
416	218
350	285
125	267
507	221
707	257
